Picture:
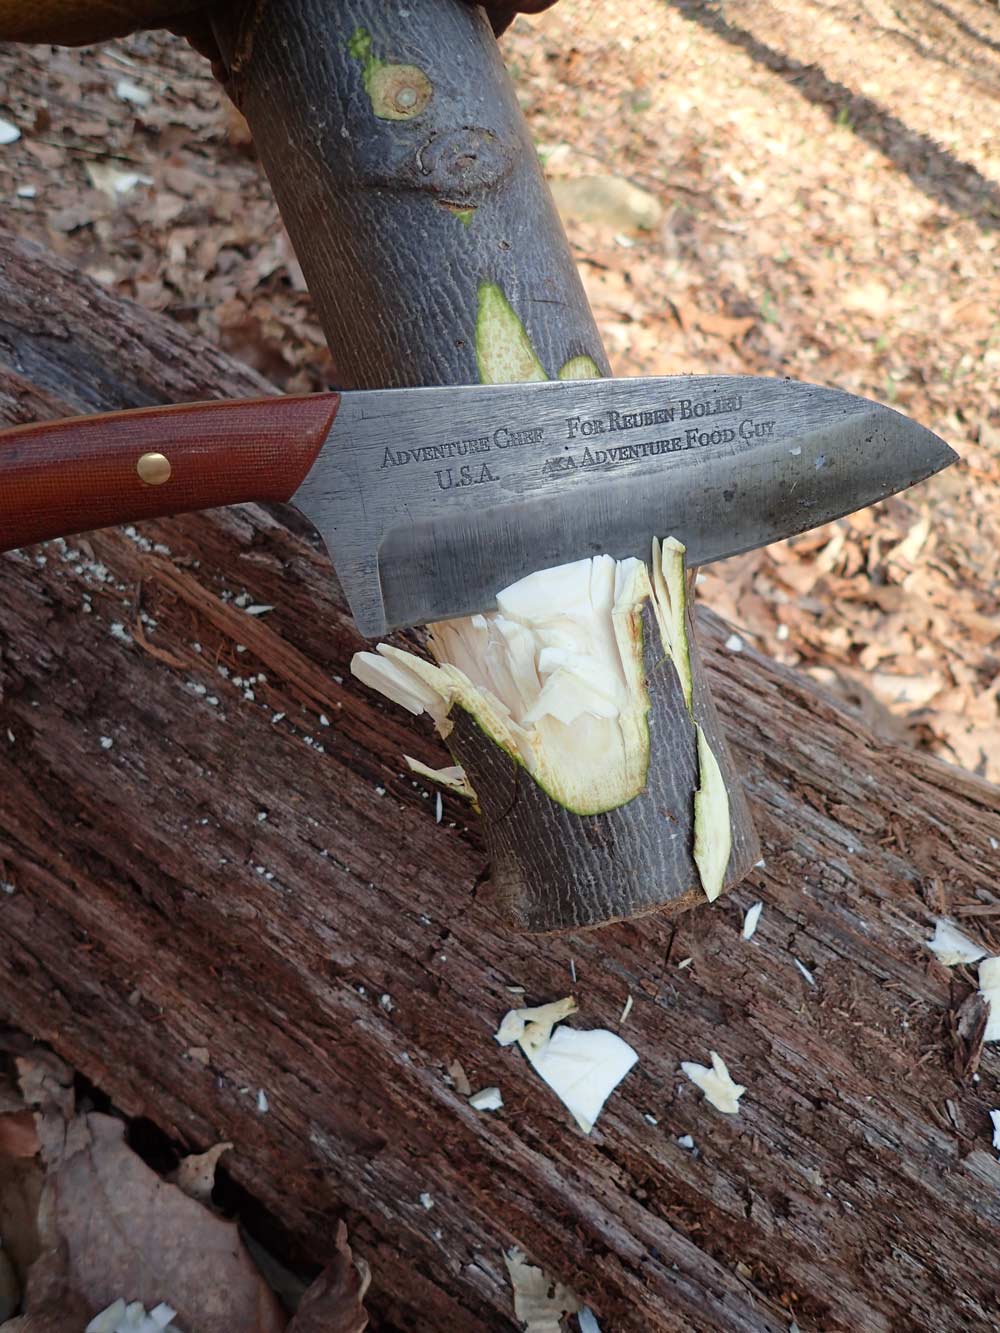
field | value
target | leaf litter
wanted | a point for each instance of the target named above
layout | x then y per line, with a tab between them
96	1239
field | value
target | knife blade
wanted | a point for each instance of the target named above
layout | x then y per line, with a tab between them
429	500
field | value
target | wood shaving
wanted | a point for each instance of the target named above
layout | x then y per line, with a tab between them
751	919
458	1076
533	1027
989	988
995	1117
805	972
582	1069
487	1099
539	1301
453	777
951	947
122	1318
716	1084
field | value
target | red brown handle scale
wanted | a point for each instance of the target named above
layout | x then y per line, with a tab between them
62	477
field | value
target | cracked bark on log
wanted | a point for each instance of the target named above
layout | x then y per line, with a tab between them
150	914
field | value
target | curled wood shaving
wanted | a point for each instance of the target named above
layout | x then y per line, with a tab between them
531	1028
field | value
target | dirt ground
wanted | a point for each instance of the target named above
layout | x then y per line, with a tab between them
829	180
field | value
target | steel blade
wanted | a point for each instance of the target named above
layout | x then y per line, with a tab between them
430	500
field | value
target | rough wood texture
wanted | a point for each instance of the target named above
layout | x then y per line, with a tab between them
411	188
71	476
598	868
184	952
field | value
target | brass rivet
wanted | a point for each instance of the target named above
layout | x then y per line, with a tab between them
153	469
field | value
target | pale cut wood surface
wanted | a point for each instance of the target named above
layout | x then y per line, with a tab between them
183	952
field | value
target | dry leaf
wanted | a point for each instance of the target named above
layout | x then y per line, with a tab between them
18	1135
334	1302
46	1082
125	1230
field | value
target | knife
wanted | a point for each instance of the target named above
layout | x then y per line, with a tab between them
430	500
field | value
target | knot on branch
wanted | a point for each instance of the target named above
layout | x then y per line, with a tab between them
460	165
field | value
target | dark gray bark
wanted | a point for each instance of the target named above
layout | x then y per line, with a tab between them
183	953
374	206
399	217
592	869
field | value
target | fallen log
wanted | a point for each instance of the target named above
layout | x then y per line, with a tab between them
219	879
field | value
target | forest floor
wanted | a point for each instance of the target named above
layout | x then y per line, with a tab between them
827	185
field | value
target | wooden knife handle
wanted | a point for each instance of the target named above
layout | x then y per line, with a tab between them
61	477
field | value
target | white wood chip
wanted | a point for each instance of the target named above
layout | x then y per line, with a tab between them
805	972
582	1069
951	947
8	133
995	1117
587	1322
627	1010
989	988
487	1099
751	919
716	1084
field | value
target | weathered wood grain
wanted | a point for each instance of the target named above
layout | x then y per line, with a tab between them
184	952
